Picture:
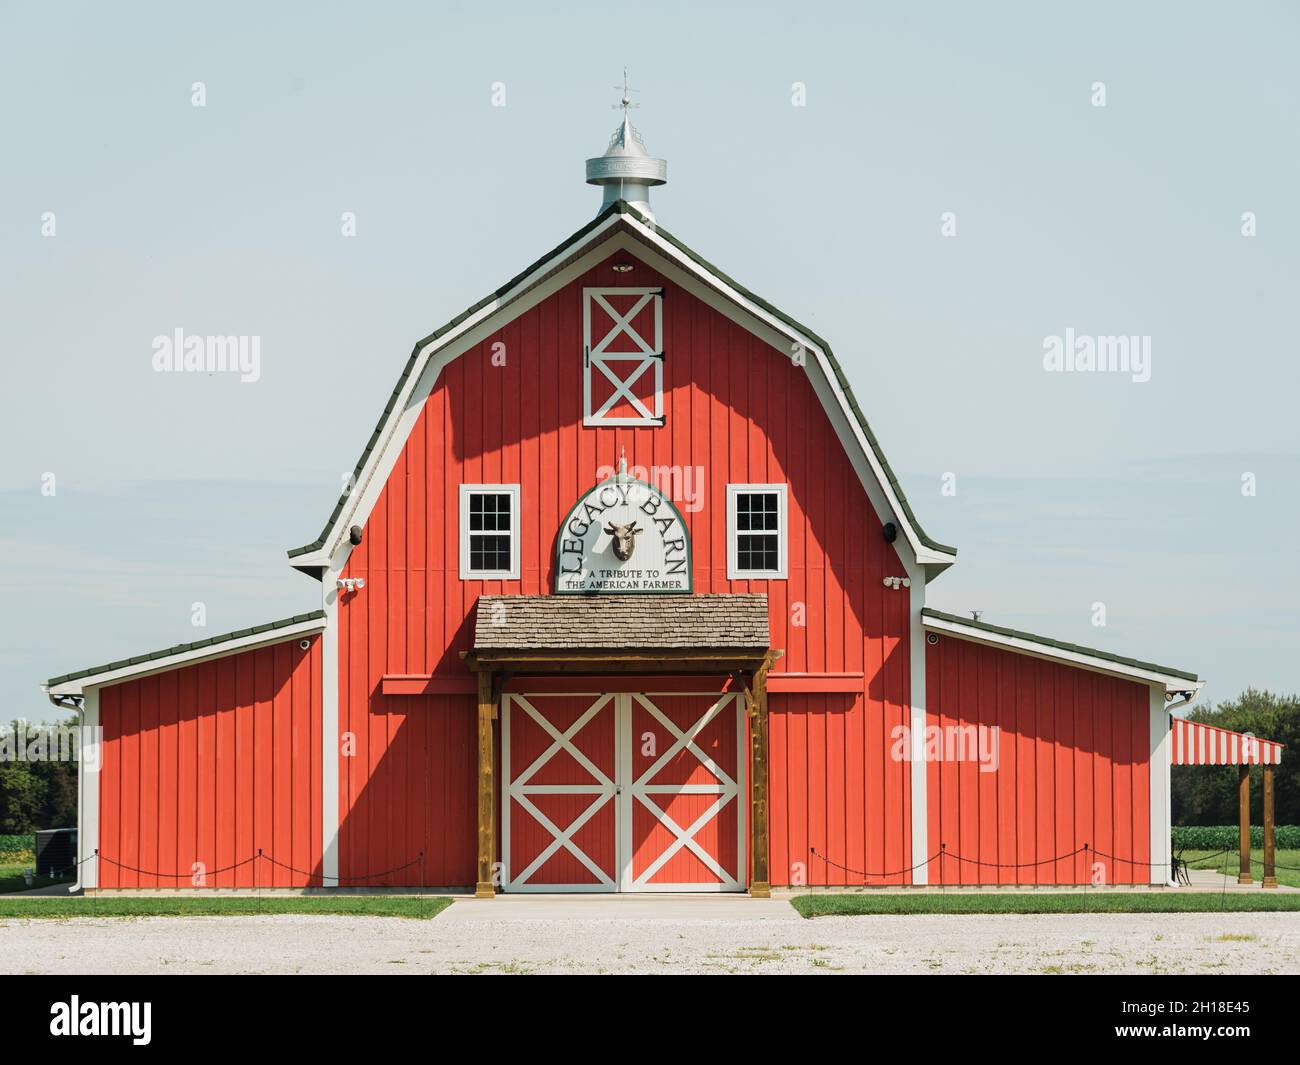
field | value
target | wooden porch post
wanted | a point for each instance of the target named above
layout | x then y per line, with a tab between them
1270	872
487	824
1243	825
760	886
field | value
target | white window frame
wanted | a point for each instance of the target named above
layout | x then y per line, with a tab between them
467	490
595	358
734	573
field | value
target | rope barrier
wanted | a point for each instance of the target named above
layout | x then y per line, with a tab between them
943	852
259	856
1085	850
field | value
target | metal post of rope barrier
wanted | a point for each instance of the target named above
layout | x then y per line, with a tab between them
421	872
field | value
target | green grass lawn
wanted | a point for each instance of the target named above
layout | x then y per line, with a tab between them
419	907
11	875
846	905
1289	876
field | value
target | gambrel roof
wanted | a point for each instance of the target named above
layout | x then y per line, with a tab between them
622	220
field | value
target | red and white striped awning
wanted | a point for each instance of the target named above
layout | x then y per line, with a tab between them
1195	743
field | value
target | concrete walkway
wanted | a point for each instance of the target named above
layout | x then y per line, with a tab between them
657	935
618	908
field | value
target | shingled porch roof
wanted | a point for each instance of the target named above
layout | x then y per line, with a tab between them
622	631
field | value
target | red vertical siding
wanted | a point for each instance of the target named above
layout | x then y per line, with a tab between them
208	763
1070	770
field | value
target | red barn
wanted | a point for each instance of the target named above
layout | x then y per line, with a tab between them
624	596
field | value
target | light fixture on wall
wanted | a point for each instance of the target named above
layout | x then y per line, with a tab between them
622	268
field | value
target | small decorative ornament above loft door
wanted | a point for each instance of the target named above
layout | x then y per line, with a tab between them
623	356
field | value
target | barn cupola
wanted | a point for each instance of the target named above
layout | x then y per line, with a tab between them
626	170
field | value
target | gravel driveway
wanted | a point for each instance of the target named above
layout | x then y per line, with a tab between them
470	938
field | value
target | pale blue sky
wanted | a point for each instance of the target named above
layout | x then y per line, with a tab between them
1071	489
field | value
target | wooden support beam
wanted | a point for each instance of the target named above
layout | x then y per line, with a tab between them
487	834
1243	825
1270	871
760	884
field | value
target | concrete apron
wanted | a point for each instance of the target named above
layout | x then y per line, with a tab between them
620	907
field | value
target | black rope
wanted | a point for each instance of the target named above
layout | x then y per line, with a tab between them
418	860
943	852
175	876
859	872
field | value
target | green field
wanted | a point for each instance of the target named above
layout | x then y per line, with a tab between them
420	907
845	905
1289	875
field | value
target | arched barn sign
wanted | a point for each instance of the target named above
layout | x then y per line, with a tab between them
623	537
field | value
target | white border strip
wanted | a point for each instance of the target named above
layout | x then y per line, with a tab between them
1159	793
918	765
198	654
90	758
1059	654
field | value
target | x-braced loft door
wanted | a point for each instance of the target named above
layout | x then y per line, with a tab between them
623	792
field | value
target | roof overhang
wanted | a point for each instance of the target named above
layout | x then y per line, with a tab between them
714	633
74	684
642	237
1175	682
705	661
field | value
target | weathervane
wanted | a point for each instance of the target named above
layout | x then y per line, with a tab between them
626	102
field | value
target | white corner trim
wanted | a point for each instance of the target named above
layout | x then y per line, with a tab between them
329	724
190	657
430	360
516	532
918	766
734	572
1059	654
1159	790
924	554
90	758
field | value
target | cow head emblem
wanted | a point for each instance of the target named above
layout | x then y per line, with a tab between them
624	538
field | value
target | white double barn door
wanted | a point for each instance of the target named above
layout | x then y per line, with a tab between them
623	791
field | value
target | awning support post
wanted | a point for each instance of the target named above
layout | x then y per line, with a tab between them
487	825
760	885
1270	872
1243	826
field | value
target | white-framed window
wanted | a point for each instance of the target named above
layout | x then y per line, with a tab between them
489	532
622	356
756	531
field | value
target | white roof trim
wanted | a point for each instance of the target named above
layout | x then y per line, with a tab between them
400	420
1047	651
924	555
185	658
